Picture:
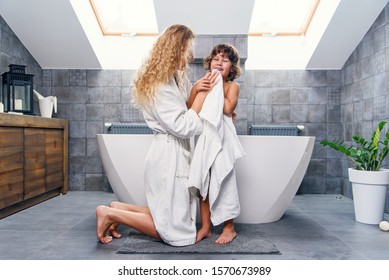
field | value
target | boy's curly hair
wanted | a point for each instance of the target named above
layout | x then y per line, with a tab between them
233	55
168	56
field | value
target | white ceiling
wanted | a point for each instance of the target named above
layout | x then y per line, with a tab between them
63	34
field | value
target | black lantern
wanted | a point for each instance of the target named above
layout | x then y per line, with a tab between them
17	94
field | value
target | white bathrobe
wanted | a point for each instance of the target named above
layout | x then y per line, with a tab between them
172	206
212	168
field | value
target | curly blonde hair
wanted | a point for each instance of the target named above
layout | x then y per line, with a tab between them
168	56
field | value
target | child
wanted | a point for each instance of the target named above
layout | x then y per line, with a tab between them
225	59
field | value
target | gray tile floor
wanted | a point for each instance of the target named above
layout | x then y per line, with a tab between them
315	227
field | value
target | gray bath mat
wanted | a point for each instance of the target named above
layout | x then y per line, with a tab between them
249	241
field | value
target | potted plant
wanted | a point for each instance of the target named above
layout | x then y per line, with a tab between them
368	177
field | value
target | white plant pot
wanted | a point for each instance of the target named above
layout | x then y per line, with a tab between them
369	194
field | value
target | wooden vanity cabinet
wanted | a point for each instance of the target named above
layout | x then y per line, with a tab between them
33	161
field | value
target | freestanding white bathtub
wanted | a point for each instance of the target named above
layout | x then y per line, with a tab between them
268	177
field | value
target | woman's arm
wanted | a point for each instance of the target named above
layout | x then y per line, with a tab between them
197	103
205	84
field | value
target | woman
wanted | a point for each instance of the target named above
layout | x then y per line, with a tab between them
161	90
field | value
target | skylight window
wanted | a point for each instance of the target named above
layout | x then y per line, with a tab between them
126	18
269	18
282	17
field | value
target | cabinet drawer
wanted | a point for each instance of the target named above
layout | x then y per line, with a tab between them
43	152
34	162
54	159
11	166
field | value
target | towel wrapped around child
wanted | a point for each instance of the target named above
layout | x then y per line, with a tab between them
217	148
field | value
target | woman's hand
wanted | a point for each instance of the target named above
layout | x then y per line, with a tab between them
204	85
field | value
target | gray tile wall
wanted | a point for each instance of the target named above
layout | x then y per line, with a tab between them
12	51
309	98
365	95
89	98
329	103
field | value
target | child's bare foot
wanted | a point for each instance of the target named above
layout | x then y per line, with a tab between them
228	234
203	233
103	224
114	233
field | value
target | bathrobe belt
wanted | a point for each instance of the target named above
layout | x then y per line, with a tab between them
165	136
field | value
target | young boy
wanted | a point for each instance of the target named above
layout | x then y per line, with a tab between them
225	59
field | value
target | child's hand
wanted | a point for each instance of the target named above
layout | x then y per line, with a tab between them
233	117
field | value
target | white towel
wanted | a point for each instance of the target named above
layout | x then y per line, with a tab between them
212	166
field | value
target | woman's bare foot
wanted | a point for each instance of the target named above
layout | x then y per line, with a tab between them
203	233
114	233
103	224
228	234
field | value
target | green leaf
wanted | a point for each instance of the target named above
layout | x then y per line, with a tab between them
366	155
